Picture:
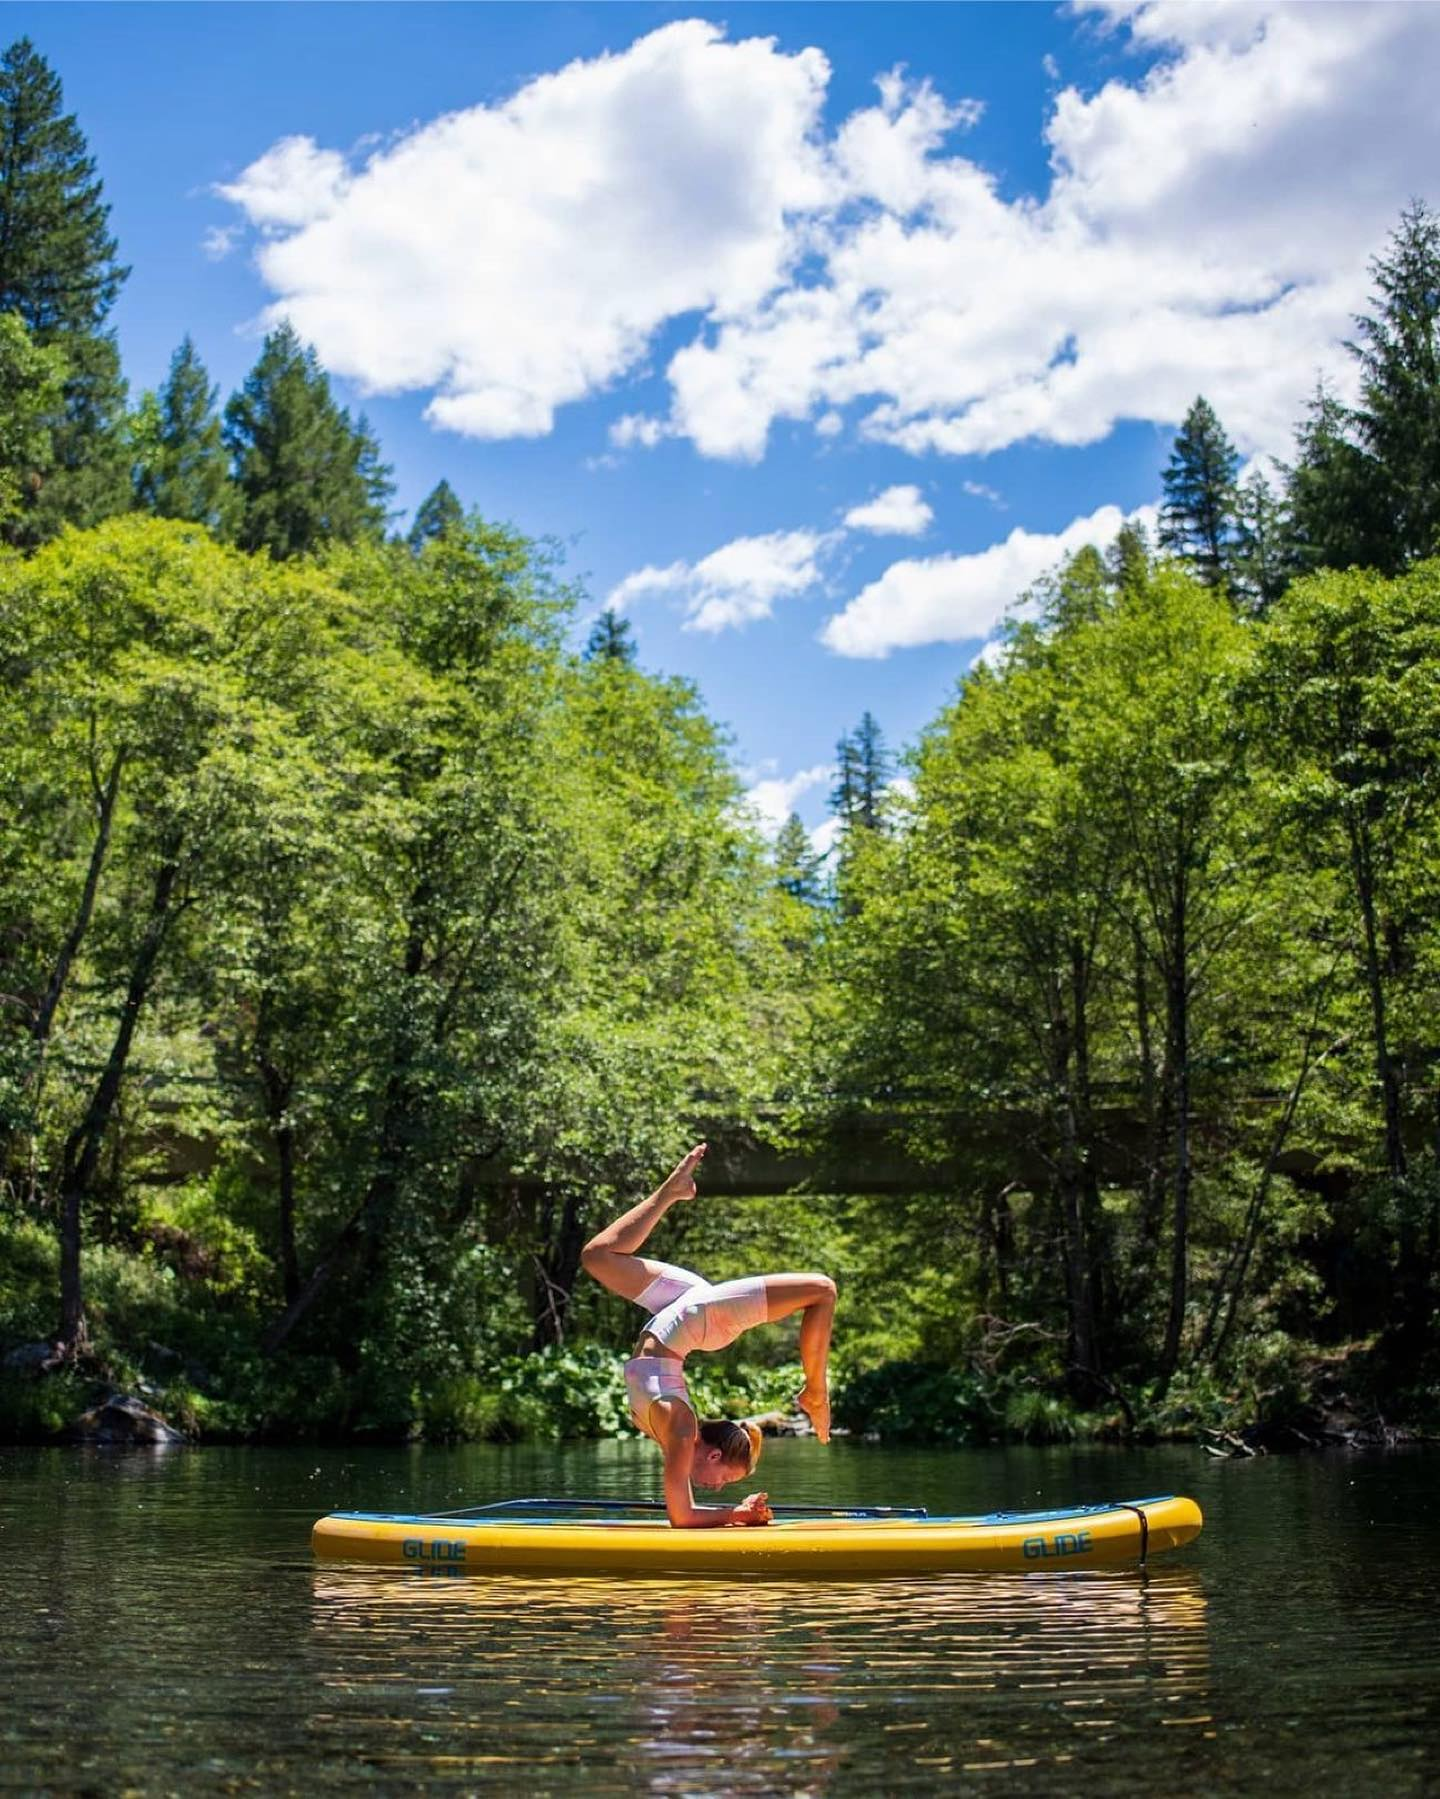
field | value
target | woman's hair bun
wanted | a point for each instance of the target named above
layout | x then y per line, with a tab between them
756	1436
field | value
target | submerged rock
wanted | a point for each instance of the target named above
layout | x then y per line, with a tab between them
124	1419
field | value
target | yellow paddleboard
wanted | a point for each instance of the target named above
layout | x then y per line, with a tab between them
1124	1531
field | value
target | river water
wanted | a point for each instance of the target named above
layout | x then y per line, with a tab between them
163	1629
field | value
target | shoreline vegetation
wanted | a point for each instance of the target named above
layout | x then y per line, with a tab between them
364	939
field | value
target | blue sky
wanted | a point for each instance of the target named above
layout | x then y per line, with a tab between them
814	333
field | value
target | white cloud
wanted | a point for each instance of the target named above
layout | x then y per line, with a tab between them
293	184
738	582
219	241
776	798
520	256
954	598
897	512
635	428
1205	228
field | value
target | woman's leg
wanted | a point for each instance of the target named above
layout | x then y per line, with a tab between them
611	1256
814	1295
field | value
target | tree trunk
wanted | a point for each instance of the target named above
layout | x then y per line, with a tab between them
105	812
1374	980
1177	1000
1092	1220
1155	1101
1070	1193
43	1021
558	1267
277	1101
82	1147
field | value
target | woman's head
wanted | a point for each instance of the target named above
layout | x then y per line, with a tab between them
724	1451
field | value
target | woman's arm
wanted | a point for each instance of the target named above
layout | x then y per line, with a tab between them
679	1432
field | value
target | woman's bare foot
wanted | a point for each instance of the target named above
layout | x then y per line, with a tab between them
680	1183
816	1407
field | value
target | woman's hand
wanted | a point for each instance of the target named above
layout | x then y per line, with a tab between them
754	1508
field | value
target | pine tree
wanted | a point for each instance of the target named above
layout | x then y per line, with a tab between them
182	469
845	793
1128	563
1263	559
436	514
876	766
863	770
307	475
1398	419
1334	493
58	272
611	640
797	865
1197	516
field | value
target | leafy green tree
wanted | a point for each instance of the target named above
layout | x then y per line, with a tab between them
152	733
440	511
31	384
1197	515
1348	688
306	475
453	846
611	639
182	469
1160	757
59	273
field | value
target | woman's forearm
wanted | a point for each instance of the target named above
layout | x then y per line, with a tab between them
704	1517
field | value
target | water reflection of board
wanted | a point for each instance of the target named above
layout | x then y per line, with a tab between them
1117	1532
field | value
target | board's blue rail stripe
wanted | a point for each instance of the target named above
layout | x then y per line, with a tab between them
451	1523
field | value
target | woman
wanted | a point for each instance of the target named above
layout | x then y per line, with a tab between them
688	1313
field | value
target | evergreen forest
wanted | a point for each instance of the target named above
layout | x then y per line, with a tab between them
365	942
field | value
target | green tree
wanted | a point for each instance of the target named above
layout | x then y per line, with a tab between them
306	475
1128	563
611	639
31	385
1197	515
1333	493
181	467
440	511
154	755
1263	557
864	767
797	863
1398	419
1348	687
1160	756
59	273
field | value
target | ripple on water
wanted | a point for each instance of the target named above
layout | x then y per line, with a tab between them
674	1683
